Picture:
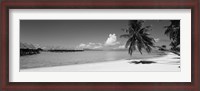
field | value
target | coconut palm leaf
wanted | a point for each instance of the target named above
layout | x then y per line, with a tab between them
132	47
129	42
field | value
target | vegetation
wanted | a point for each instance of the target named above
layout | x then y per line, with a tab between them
138	37
28	49
173	31
65	50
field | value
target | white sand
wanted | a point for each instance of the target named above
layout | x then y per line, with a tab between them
169	62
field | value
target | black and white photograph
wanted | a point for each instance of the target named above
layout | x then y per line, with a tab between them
100	46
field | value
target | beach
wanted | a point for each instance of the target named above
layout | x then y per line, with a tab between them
168	63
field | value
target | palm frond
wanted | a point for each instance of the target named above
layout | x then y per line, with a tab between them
139	46
125	36
150	41
169	30
173	31
131	48
129	42
148	48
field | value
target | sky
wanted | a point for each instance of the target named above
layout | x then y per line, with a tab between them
91	34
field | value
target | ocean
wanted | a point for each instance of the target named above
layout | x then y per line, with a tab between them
50	59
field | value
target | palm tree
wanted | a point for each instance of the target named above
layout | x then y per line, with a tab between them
138	37
173	31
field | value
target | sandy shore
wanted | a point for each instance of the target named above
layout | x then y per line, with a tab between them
169	62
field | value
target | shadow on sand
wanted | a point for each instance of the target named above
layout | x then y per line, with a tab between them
142	62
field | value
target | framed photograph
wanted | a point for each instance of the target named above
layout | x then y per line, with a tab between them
100	45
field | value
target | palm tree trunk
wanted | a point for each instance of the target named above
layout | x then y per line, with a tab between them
177	53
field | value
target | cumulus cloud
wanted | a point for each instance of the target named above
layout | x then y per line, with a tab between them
111	40
90	45
82	45
157	39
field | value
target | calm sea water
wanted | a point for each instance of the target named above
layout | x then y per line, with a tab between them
49	59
